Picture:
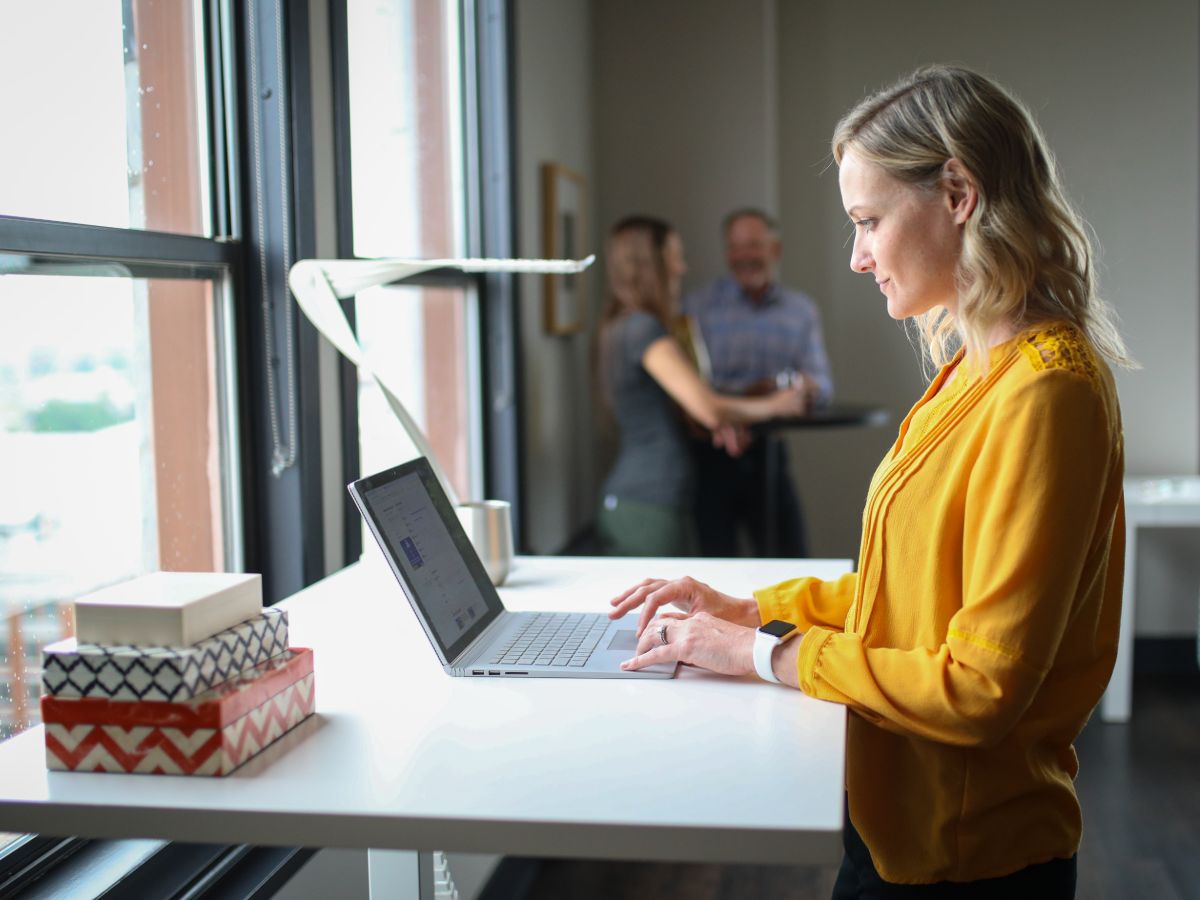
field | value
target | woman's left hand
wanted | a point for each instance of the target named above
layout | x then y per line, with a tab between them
699	640
733	439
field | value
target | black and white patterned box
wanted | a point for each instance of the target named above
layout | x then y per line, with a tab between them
70	669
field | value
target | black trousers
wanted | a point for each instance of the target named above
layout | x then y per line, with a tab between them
733	492
858	880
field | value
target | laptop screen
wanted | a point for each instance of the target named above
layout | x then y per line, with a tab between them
420	535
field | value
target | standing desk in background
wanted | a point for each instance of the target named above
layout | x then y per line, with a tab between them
839	415
1149	503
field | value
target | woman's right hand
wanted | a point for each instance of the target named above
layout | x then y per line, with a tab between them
687	594
791	401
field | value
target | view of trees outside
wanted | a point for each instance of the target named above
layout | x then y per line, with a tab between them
73	436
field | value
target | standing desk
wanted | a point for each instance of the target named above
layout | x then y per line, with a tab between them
699	768
841	415
1149	503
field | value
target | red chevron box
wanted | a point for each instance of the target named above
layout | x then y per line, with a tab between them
211	734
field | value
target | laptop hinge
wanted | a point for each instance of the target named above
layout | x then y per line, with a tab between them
467	657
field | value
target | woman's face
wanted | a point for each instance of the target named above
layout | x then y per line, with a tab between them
675	264
908	238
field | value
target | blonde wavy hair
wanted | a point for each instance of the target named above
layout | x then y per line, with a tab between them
1026	255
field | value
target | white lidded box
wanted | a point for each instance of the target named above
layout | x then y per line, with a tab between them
167	609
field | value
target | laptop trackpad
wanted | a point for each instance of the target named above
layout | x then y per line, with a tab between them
625	639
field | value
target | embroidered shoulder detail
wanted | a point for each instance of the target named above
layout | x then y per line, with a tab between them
1060	347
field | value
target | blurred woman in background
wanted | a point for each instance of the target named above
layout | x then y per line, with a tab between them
644	373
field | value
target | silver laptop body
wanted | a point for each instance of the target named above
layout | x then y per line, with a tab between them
457	605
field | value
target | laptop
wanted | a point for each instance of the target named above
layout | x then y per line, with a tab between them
455	602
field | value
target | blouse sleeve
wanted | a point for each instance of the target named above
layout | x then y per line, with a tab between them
807	602
1033	515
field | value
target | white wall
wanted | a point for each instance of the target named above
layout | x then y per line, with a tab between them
686	115
1115	87
554	124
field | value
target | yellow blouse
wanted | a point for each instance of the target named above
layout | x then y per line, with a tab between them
981	628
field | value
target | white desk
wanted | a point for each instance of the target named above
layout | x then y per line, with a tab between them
401	756
1156	503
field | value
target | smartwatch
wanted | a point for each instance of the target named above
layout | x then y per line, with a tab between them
766	639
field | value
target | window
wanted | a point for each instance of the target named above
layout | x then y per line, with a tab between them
118	428
113	114
406	128
111	451
408	160
126	216
421	340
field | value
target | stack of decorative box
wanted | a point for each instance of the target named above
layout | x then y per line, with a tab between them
175	673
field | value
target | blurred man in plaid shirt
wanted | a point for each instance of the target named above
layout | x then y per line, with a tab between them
758	335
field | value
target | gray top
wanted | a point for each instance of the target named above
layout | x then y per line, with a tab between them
653	464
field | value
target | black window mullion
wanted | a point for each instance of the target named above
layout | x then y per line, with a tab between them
497	219
304	232
284	512
69	240
339	35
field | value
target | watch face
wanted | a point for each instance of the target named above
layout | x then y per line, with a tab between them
778	628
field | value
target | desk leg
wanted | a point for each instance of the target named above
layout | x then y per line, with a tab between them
1118	699
400	874
771	500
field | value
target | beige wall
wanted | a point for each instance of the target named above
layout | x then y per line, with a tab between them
554	118
1114	87
686	115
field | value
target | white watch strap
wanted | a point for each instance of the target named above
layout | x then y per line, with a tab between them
764	650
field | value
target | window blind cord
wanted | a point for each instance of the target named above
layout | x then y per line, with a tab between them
283	456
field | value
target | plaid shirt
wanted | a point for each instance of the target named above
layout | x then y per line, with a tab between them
749	341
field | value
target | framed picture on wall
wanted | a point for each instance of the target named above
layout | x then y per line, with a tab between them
564	236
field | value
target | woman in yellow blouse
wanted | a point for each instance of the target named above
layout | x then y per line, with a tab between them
981	627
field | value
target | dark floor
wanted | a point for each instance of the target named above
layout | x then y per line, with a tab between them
1140	789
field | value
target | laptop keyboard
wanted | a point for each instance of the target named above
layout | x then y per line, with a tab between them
553	639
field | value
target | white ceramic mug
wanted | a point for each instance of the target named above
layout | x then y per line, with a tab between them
488	524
